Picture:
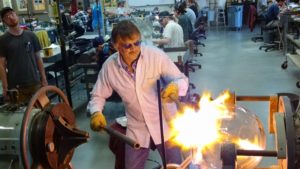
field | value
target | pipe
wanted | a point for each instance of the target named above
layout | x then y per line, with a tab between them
253	98
264	153
164	160
63	54
186	163
122	137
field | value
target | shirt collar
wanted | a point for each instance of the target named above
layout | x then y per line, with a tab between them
133	64
121	62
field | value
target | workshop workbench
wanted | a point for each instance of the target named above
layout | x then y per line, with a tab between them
291	40
295	57
56	65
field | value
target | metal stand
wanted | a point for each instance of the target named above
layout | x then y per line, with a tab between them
63	54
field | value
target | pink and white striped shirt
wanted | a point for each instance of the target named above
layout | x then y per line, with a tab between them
140	95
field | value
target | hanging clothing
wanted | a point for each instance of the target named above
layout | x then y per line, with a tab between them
43	38
252	17
97	16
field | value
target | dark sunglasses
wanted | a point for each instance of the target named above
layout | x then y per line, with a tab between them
128	46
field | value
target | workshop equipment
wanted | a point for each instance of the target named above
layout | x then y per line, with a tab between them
122	137
284	123
39	135
286	127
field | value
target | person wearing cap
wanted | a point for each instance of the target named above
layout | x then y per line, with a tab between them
21	66
133	72
172	34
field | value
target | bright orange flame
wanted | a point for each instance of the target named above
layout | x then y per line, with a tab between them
201	130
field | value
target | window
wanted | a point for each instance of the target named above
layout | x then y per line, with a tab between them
22	5
7	3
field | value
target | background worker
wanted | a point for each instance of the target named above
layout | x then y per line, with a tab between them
183	20
272	15
189	13
21	65
121	10
193	4
172	33
80	20
132	72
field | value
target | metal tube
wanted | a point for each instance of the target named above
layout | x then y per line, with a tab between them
264	153
161	125
186	162
122	137
252	98
63	54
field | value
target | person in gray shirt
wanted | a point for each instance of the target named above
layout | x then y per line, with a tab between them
21	66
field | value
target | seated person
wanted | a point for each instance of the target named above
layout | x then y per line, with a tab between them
81	18
69	26
172	33
272	15
104	48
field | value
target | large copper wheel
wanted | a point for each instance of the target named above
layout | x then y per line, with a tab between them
41	101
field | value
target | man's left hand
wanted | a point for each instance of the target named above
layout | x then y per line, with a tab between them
170	93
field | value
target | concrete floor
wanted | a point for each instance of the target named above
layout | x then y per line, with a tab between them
230	61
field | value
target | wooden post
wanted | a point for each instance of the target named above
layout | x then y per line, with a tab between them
273	107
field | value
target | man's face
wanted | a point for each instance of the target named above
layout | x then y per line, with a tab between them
280	3
176	12
163	21
11	19
129	48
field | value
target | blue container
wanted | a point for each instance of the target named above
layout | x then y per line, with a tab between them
235	16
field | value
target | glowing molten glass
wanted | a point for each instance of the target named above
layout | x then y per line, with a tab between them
203	131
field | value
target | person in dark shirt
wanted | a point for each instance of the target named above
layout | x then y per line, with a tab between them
21	66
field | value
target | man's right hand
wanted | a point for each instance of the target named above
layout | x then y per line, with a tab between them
98	121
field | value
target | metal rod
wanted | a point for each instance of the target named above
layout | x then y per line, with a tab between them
264	153
252	98
122	137
186	162
161	126
63	54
